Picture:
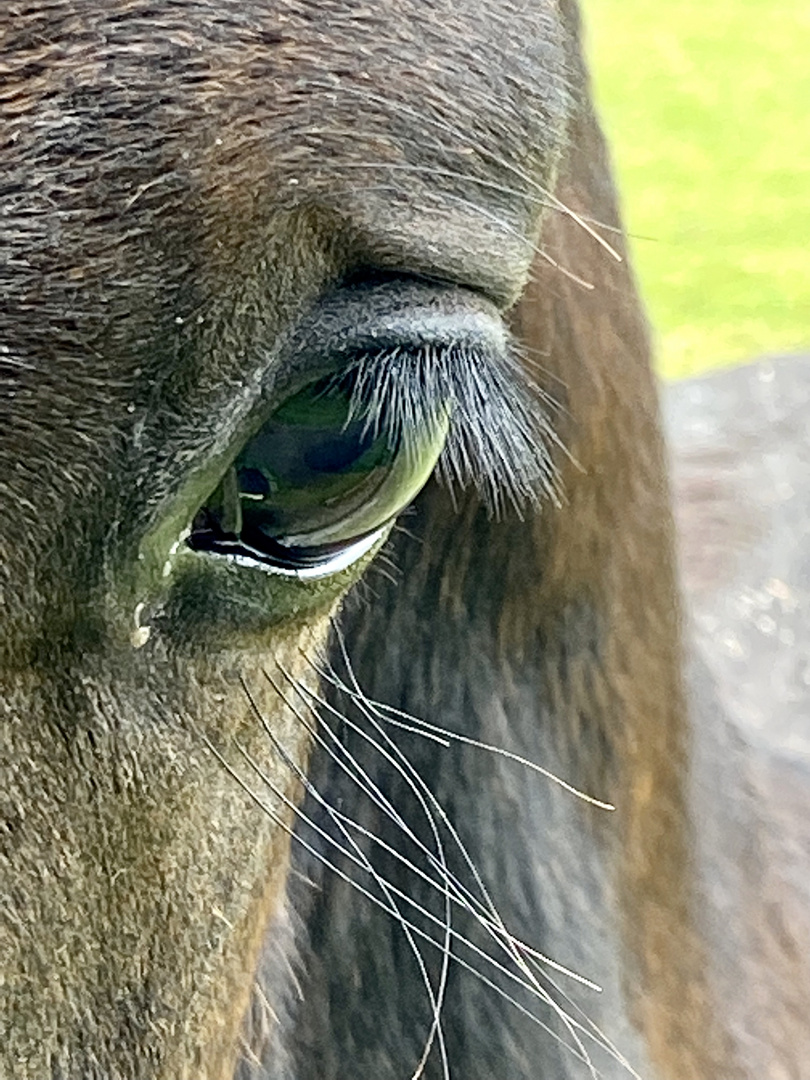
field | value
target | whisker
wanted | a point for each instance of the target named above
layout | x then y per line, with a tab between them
415	725
495	926
351	767
497	159
339	818
536	249
538	960
465	898
392	909
577	1051
343	822
547	198
432	730
342	875
602	1038
373	791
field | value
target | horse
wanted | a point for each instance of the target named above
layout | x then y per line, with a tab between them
345	722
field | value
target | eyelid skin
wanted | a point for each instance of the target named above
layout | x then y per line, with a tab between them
400	312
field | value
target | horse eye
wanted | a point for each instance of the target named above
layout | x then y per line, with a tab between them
317	485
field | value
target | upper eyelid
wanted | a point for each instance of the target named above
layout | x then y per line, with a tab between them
396	311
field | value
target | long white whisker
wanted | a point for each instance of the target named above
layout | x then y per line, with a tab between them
509	166
538	960
415	723
602	1038
536	249
320	857
461	894
547	197
342	820
496	928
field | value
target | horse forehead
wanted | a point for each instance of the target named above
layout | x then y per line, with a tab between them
144	136
248	72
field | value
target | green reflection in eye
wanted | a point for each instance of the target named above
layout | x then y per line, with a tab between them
314	481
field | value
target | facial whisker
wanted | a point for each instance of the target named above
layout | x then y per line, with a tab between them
496	927
538	961
279	821
350	767
600	1036
448	880
485	912
394	913
342	821
462	895
547	197
536	249
416	724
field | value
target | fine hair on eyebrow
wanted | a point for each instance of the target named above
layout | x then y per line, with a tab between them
500	430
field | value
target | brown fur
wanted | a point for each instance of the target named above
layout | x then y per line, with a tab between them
182	182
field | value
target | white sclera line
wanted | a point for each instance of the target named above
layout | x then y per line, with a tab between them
341	561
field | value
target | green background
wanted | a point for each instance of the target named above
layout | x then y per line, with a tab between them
707	107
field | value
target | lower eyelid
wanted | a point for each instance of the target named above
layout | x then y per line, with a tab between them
342	560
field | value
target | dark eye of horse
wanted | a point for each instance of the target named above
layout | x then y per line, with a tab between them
317	486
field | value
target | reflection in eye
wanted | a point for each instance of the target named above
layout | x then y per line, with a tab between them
317	485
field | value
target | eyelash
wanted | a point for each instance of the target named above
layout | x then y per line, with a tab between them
501	433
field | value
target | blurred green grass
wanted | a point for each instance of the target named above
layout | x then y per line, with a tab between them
707	108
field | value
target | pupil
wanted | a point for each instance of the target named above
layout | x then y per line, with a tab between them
332	454
253	482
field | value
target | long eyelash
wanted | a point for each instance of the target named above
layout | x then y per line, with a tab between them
500	435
